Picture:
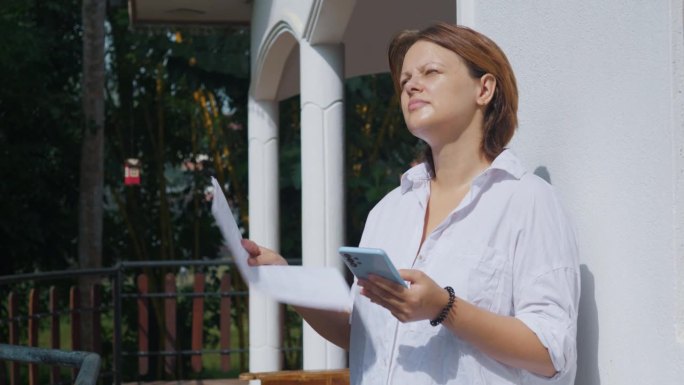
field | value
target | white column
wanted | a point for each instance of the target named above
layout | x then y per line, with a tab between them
677	17
264	313
322	94
465	13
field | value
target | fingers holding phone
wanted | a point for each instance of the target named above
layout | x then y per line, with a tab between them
423	300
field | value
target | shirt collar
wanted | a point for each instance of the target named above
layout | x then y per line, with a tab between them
414	177
507	161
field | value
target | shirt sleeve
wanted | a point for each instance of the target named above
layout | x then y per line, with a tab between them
546	285
545	309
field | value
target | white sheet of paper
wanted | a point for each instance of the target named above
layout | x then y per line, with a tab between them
313	287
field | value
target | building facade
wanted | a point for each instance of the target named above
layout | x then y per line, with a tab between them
601	118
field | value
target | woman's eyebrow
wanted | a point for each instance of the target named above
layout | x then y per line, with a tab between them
422	67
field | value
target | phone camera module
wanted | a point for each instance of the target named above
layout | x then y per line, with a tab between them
350	260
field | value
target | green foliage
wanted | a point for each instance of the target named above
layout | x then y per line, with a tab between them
178	104
40	123
379	147
159	109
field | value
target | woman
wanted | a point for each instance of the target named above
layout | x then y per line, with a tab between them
488	251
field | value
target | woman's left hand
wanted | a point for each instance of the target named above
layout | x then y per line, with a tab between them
423	299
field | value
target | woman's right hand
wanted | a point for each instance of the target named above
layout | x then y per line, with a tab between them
259	256
332	325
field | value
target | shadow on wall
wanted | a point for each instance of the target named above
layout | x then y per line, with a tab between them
587	332
587	320
543	173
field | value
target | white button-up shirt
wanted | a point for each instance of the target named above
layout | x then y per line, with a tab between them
508	248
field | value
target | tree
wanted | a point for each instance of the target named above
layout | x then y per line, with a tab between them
40	134
92	154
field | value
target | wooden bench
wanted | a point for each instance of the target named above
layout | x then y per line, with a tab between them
297	377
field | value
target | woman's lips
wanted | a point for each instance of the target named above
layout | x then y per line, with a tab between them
416	104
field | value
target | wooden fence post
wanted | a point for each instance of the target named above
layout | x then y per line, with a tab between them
197	322
33	332
54	331
225	322
13	334
75	310
143	325
170	316
3	368
96	297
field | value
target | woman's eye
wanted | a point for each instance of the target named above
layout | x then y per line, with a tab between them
430	71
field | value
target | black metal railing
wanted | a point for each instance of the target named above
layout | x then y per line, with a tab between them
117	276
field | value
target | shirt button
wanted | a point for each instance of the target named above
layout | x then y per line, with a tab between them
421	257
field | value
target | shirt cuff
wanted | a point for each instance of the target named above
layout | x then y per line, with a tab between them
558	343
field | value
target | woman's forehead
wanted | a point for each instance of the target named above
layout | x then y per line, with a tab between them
422	53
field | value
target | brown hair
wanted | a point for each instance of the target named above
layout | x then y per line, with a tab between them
482	56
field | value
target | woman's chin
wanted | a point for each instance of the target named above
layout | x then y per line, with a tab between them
423	133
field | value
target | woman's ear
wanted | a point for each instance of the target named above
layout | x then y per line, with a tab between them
487	87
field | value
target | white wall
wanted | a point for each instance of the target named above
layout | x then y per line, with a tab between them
602	113
601	110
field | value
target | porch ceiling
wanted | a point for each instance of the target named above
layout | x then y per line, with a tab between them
369	31
374	23
190	12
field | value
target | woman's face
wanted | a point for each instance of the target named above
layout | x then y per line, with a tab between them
438	95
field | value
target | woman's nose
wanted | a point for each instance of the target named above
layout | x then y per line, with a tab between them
413	85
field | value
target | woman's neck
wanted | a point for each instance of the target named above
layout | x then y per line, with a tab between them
457	164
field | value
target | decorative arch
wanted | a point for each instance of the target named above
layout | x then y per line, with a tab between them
271	60
328	21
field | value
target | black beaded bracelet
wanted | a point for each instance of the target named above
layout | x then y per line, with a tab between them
443	314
